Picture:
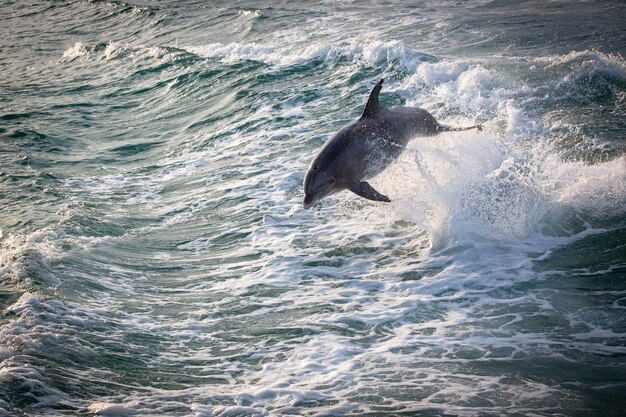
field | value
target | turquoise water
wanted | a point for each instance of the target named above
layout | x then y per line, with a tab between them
155	258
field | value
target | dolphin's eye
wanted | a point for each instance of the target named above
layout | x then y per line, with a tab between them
315	167
331	181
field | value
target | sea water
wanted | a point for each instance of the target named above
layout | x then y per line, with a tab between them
155	258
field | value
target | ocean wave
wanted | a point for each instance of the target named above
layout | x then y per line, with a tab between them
25	261
610	63
375	53
117	50
119	6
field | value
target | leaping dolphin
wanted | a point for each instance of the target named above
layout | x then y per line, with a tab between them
366	147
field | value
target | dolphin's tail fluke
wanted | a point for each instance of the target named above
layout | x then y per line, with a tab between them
459	129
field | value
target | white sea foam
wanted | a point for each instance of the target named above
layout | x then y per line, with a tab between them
111	410
470	178
372	53
250	13
590	60
119	50
76	50
24	259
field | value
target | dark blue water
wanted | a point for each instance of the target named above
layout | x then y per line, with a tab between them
155	258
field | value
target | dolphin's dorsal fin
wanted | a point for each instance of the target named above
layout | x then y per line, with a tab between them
372	103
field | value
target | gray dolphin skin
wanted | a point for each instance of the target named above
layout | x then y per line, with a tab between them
365	148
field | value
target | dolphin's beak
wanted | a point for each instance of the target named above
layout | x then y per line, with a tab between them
308	201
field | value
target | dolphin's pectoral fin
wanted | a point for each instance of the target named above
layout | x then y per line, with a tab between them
444	128
365	190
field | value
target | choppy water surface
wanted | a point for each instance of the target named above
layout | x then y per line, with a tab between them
155	258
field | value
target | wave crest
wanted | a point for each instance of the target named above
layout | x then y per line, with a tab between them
376	53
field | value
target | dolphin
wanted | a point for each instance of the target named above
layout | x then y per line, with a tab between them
366	147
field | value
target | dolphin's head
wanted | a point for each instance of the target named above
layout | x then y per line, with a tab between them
319	182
